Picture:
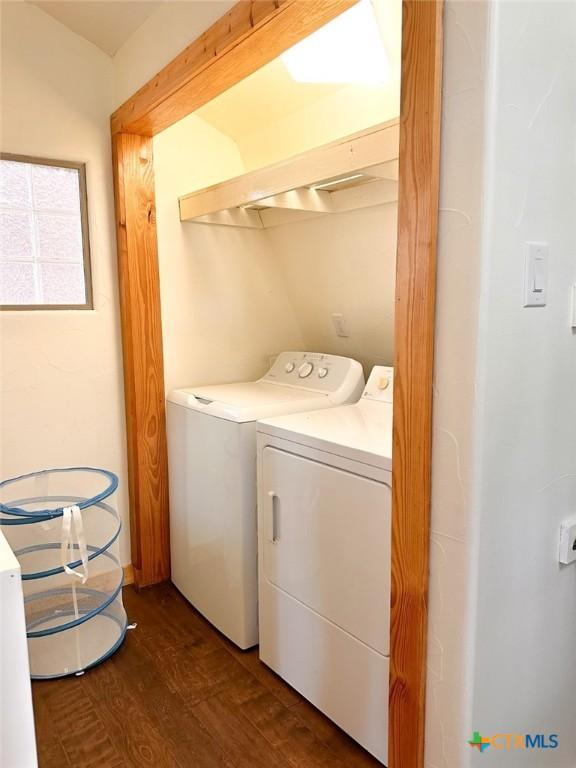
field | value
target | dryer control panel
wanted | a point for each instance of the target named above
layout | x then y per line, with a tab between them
315	371
380	384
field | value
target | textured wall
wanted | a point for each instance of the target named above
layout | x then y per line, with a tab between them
343	263
225	309
164	34
502	624
459	254
525	664
62	398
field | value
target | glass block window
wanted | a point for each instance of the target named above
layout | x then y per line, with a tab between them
44	245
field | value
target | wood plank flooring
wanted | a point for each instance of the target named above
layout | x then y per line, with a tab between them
179	695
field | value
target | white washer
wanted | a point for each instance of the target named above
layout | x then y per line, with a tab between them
212	472
324	528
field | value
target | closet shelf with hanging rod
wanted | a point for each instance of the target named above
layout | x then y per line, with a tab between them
358	171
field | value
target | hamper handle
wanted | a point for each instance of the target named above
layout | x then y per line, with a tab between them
73	528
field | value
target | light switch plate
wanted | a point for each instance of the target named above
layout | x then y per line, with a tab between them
339	323
536	275
568	542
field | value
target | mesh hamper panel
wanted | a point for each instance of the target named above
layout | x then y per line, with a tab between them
40	554
77	649
75	618
38	494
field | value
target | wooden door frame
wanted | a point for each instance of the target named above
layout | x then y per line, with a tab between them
251	34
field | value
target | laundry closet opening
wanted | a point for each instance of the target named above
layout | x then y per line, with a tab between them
249	278
234	296
277	232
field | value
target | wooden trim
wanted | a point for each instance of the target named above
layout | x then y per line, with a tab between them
414	332
86	257
143	362
42	161
251	34
352	154
128	575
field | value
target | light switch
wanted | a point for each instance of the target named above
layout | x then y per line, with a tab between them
536	275
568	542
539	275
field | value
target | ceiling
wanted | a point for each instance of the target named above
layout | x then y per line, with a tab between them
106	23
265	96
270	93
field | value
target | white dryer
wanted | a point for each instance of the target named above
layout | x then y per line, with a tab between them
212	474
324	531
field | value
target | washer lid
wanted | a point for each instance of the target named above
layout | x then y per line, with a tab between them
247	401
362	431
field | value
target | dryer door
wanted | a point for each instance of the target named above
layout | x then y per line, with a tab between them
326	542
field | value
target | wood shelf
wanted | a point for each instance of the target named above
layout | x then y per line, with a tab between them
356	172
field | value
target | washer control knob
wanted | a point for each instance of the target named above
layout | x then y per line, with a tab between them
289	367
322	373
305	370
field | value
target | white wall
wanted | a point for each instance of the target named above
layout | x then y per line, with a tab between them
225	309
164	34
502	619
287	118
61	371
525	659
458	281
232	297
351	109
343	263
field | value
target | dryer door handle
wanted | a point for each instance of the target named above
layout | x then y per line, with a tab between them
274	518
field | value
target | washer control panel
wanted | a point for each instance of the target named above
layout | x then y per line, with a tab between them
380	384
312	370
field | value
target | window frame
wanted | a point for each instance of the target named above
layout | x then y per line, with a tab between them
86	255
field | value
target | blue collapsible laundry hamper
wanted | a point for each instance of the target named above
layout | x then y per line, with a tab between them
63	529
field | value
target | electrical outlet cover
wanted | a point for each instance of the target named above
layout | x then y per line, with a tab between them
568	542
339	323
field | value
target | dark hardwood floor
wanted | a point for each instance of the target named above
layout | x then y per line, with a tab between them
179	695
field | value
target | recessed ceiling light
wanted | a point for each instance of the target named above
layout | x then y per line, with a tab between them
348	49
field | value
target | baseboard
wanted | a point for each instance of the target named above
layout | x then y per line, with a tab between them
128	575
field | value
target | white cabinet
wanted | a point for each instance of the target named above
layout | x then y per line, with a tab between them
17	738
